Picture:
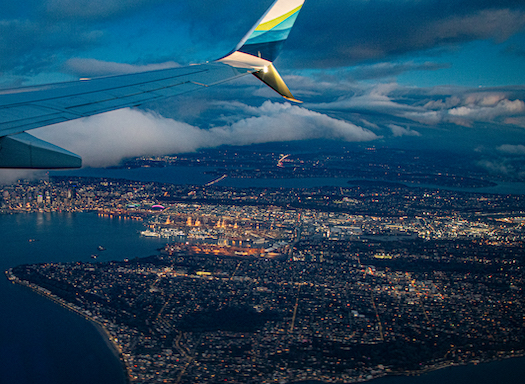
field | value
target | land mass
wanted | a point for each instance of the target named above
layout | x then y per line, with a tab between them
332	160
327	309
335	284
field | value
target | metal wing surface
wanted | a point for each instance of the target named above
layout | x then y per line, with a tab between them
22	109
27	108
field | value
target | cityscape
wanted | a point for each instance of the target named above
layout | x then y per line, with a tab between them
280	191
334	284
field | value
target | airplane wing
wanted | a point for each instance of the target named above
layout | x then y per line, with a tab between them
26	108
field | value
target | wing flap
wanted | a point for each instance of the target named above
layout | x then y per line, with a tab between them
20	118
26	151
21	112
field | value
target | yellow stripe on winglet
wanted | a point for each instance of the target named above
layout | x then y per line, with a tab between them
272	23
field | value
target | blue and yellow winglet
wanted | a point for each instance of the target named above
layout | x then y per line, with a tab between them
263	43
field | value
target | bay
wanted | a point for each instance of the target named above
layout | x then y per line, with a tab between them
41	342
183	175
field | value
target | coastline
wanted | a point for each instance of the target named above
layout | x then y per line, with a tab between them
126	371
406	374
100	327
444	365
113	346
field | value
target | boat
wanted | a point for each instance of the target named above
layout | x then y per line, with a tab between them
149	233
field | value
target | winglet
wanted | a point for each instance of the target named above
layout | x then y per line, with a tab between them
263	43
267	36
271	77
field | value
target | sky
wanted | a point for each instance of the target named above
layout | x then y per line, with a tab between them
422	74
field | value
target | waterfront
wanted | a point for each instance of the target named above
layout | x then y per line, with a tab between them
201	175
41	342
510	371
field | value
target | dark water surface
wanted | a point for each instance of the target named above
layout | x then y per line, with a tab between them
510	371
200	175
41	342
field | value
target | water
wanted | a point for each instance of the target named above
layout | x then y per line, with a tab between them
510	371
41	342
199	176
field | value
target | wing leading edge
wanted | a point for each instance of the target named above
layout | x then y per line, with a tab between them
26	108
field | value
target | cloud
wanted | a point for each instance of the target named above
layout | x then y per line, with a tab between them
498	24
285	122
377	99
504	167
398	131
94	68
506	161
331	34
479	112
518	121
432	106
372	31
105	139
493	107
28	47
92	9
389	69
512	149
10	176
496	167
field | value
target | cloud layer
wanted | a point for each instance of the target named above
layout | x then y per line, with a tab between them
105	139
360	30
348	59
40	35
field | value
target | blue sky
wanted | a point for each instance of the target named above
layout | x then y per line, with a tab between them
413	73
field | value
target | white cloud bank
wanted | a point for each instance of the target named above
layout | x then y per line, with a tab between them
512	149
105	139
491	107
462	107
398	131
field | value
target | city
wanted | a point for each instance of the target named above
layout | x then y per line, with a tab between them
277	285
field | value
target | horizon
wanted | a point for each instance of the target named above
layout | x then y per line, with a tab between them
425	74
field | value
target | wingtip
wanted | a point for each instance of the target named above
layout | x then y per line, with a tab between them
267	36
293	99
271	77
263	43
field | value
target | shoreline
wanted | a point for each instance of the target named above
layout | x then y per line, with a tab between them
113	346
427	370
126	371
101	329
